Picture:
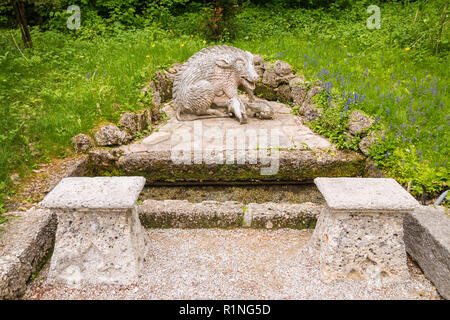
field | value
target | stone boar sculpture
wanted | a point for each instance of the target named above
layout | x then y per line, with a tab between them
214	72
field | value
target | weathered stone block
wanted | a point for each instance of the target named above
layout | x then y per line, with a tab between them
24	245
265	91
298	94
313	92
358	123
427	240
270	78
271	215
110	135
359	233
184	214
284	93
99	238
82	143
367	142
282	68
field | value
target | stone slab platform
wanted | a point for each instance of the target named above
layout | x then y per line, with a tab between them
94	193
369	194
427	240
281	149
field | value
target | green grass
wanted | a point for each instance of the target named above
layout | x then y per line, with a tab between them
68	85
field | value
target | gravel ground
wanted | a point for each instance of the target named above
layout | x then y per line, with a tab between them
234	264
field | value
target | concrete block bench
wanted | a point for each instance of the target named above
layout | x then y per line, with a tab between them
359	233
427	240
99	238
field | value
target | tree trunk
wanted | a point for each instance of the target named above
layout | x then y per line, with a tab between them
19	9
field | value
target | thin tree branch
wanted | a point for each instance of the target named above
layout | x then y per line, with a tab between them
12	36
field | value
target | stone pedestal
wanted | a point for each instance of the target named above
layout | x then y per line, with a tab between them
359	233
99	238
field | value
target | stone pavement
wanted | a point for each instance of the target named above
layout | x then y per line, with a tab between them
293	134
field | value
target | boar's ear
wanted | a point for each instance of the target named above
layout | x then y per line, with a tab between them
240	62
223	63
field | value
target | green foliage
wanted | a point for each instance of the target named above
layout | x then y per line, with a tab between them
2	201
333	122
405	164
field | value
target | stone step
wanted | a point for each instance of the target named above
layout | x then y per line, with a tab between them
222	150
229	214
245	194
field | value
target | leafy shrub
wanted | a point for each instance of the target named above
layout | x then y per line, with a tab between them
333	122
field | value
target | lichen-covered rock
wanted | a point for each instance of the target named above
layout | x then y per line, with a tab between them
358	123
156	101
367	142
284	93
298	94
313	92
312	114
268	66
145	118
270	78
259	70
297	81
111	135
104	158
163	84
309	111
265	91
134	123
282	68
130	122
259	109
82	143
284	79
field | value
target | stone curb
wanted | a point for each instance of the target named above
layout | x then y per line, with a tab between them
230	214
427	241
24	247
